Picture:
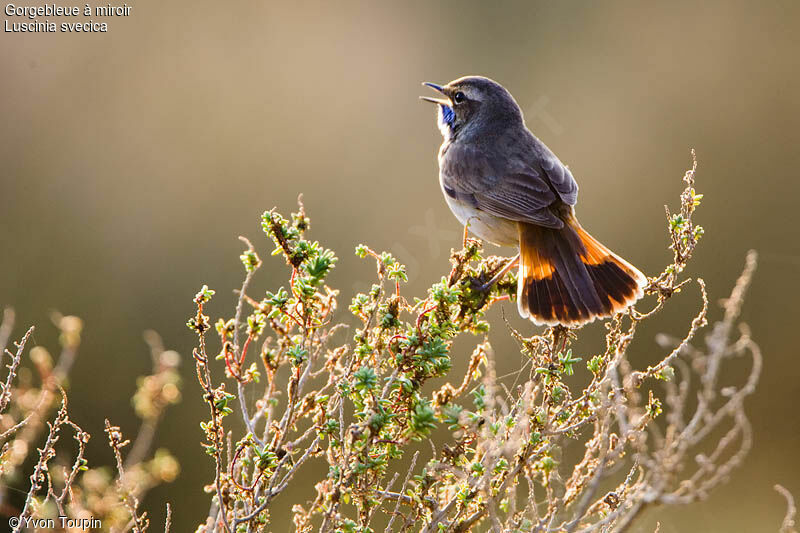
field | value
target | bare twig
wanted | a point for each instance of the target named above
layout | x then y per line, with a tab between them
116	441
788	524
5	394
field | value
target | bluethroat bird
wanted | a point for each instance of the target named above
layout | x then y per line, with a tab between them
509	189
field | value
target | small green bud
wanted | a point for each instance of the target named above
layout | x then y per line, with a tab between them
653	406
667	373
204	295
595	364
548	464
250	260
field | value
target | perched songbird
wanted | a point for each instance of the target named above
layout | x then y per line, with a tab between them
511	190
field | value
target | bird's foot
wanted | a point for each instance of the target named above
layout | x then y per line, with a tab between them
486	287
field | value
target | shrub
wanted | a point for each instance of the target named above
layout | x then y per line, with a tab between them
495	455
409	444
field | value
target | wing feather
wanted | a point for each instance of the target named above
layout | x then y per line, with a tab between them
521	186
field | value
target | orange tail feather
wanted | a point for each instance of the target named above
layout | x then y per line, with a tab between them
567	277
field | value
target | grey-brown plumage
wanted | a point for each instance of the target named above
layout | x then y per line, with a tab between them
512	190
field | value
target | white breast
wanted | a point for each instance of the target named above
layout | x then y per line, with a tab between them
496	230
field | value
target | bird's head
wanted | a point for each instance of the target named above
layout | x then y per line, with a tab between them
471	103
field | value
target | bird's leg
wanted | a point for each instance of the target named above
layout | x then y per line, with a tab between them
497	277
466	230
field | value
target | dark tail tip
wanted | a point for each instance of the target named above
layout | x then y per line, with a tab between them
566	277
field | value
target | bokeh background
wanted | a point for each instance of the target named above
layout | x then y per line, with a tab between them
132	160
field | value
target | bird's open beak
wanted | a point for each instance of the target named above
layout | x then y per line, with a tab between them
440	101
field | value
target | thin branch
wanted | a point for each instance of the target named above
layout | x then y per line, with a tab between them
788	524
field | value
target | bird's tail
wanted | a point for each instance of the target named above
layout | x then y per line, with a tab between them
567	277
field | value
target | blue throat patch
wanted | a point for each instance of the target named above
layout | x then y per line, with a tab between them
448	117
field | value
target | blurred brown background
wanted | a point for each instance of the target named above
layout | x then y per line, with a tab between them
131	160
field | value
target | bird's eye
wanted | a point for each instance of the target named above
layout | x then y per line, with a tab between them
459	97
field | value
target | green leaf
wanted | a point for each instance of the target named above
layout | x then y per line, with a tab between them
365	379
423	420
